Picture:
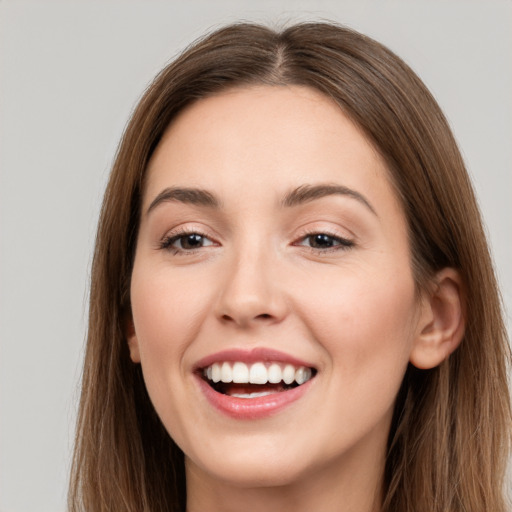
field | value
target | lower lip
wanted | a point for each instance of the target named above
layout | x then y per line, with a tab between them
252	408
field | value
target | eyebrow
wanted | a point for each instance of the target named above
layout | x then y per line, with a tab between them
306	193
298	196
194	196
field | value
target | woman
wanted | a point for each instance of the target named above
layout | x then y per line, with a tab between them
292	300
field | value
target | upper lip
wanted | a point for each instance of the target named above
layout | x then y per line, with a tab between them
259	354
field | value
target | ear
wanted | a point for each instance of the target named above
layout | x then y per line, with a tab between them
442	322
131	338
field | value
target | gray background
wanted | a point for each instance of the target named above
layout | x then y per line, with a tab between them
70	74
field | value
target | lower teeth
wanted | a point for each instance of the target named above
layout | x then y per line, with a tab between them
245	391
253	395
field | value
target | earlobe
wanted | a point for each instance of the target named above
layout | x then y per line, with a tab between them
442	322
131	338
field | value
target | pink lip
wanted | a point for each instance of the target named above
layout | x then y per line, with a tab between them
250	356
250	408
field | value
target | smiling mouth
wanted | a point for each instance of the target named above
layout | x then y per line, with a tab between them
259	379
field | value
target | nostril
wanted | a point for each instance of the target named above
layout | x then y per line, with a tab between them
246	320
263	316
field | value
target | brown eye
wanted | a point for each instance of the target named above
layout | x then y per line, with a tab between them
192	241
321	241
186	242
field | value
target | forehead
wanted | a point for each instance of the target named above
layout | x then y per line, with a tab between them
265	137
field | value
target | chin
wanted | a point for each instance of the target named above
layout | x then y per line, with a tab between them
253	470
261	477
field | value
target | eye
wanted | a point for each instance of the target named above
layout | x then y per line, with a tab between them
185	242
324	241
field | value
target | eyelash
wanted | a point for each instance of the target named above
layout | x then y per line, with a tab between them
342	244
168	241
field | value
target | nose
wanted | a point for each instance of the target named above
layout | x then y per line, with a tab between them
252	293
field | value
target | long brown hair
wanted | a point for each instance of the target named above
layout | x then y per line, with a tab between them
450	436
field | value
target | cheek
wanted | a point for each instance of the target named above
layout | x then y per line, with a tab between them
165	321
366	328
166	312
357	302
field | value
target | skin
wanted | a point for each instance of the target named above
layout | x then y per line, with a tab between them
351	312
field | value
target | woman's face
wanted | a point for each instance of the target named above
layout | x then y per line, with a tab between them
272	248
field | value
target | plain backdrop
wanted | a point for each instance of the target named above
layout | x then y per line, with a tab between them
70	74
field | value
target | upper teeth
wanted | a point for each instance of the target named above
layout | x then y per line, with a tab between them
257	373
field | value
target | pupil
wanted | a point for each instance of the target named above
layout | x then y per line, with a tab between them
322	241
193	240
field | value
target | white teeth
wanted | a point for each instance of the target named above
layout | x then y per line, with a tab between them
257	373
252	395
240	373
275	376
289	374
216	372
226	374
302	375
